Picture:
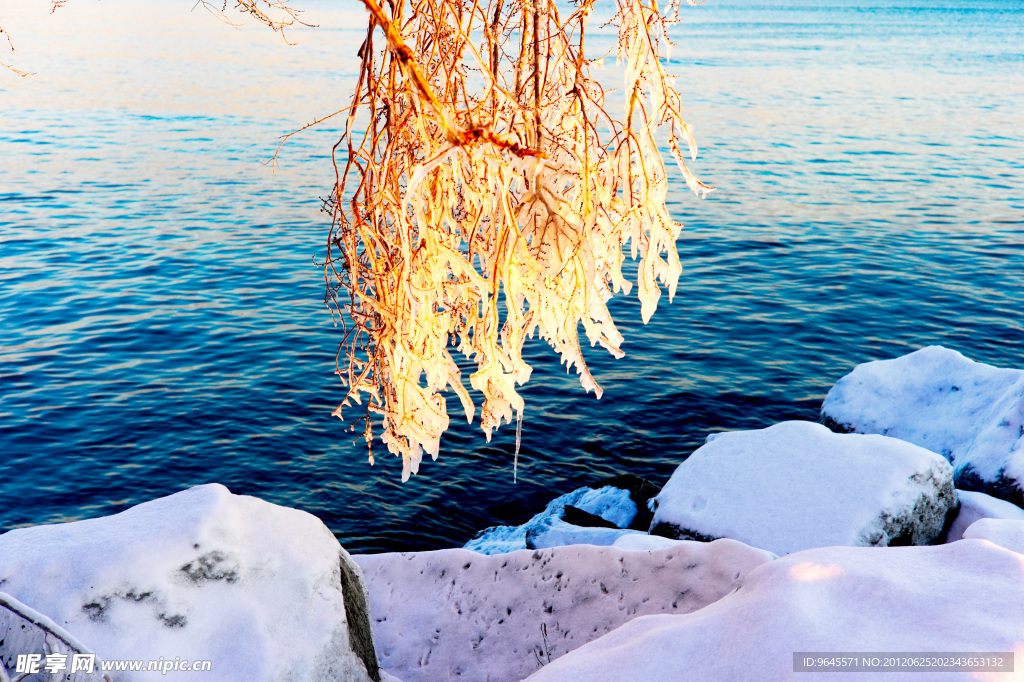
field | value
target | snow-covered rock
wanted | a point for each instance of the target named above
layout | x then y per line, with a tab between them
547	529
1008	534
975	506
457	614
796	485
263	592
25	632
640	491
970	413
963	597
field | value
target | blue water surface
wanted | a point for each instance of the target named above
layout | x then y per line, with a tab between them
163	322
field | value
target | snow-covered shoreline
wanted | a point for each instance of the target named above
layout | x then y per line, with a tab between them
763	544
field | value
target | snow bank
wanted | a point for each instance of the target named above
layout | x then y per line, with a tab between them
1008	534
456	614
796	485
547	529
975	506
969	412
835	599
202	575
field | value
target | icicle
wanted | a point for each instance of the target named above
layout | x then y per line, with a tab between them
519	437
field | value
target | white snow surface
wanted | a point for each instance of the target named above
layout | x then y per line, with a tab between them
558	533
642	542
796	485
975	506
610	503
966	596
456	614
1008	534
969	412
202	575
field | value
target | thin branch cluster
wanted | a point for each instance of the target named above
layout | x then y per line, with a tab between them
487	196
277	15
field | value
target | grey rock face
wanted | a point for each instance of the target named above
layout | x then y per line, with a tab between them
357	611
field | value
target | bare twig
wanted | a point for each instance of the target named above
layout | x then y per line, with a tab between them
313	124
277	15
4	64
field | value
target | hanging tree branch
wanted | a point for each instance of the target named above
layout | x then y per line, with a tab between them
490	176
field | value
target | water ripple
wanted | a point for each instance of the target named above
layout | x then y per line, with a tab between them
163	321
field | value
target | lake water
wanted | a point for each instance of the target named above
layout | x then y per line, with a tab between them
163	322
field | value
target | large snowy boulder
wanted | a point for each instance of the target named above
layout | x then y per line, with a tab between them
963	597
970	413
262	592
975	506
457	614
796	485
1005	533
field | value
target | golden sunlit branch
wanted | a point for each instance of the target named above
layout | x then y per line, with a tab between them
482	168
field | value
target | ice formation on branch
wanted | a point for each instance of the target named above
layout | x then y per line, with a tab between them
492	197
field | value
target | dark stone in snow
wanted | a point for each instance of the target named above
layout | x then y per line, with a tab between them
578	517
